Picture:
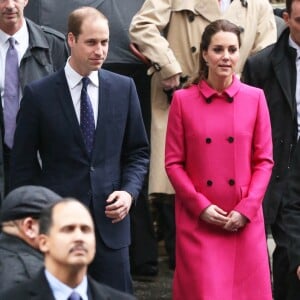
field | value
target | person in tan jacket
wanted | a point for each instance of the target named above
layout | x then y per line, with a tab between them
168	33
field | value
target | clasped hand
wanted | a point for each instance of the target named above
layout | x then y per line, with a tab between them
118	205
231	221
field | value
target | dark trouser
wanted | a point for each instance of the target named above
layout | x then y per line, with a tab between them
111	266
293	292
143	249
165	210
286	285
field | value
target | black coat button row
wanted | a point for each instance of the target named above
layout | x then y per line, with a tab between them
230	182
230	139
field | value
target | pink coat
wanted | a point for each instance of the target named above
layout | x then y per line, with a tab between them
219	151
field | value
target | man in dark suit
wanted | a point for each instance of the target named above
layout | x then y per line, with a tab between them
67	240
91	140
143	248
276	69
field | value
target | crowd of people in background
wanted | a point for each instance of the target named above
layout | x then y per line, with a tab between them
118	115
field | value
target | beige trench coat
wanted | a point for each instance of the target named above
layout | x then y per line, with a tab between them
168	32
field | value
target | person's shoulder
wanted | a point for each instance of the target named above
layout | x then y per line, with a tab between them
107	292
109	74
18	291
47	31
52	32
250	90
48	81
262	56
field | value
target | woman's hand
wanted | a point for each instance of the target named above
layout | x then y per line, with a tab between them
235	222
214	215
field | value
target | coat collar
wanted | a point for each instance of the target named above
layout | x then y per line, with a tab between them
209	93
283	59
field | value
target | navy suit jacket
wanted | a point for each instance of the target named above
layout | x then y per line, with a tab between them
47	123
39	289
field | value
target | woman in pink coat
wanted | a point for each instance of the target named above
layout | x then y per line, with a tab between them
219	160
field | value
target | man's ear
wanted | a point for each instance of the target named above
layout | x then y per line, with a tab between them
30	228
43	243
286	18
71	39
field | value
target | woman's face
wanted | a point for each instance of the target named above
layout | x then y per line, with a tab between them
222	55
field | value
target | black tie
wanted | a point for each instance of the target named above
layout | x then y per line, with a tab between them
87	122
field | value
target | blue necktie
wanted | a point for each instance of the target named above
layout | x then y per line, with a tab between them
74	296
11	93
87	122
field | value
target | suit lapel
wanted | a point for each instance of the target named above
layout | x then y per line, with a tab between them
39	288
66	102
103	107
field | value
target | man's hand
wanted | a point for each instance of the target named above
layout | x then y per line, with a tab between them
119	203
171	82
298	272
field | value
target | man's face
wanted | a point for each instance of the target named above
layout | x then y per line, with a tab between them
89	50
70	242
293	21
11	15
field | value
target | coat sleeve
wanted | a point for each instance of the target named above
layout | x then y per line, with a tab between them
261	161
266	29
147	32
175	152
25	167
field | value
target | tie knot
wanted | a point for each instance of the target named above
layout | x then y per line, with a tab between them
85	82
11	41
74	296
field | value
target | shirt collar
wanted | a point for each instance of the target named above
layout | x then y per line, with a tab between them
21	36
74	78
295	46
62	291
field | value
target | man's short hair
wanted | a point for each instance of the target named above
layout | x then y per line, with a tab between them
26	201
46	216
78	15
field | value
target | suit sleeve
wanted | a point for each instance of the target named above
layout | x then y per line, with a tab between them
25	167
146	31
135	154
175	153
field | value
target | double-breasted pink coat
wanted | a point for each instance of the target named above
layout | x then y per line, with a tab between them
219	151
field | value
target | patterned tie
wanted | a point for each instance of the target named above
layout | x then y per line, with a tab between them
11	93
87	122
74	296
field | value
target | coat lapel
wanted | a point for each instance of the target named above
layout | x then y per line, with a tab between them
284	74
66	102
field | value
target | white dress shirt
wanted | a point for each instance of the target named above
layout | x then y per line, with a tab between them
62	292
75	86
22	44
